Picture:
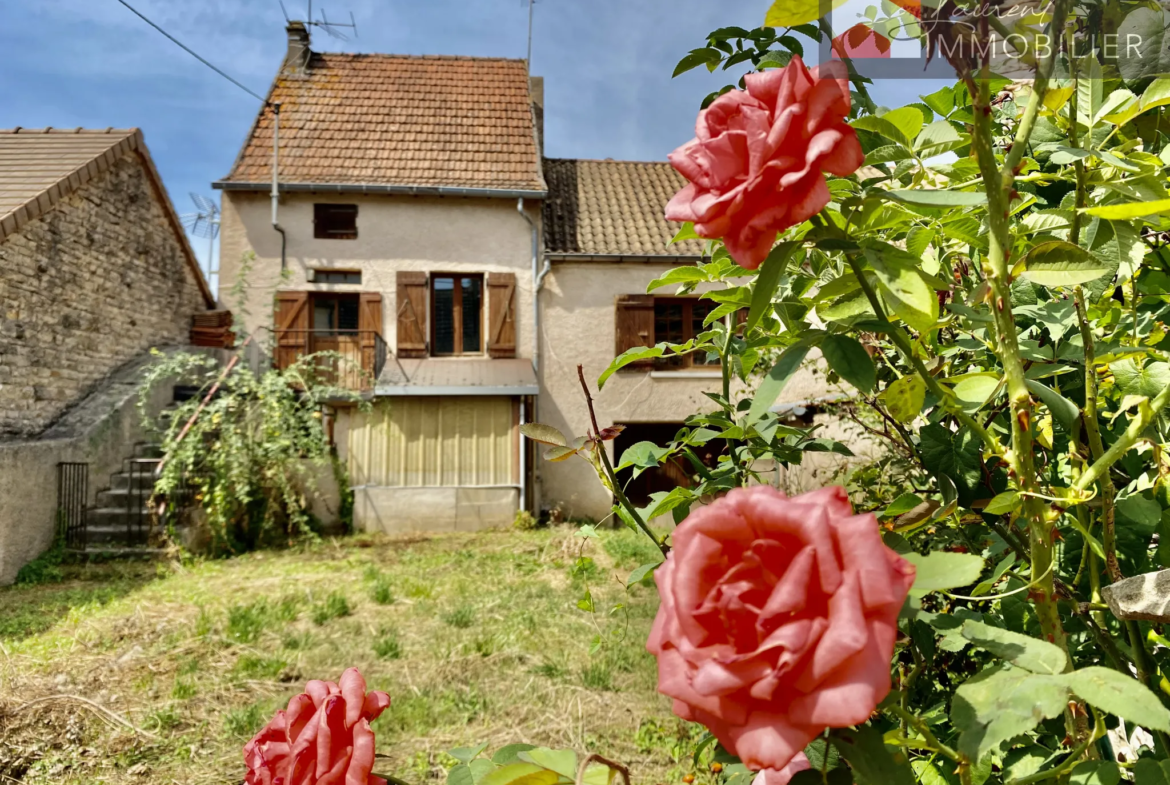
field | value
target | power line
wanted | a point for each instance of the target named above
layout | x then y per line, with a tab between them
191	52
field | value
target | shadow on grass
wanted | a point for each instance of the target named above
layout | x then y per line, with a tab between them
28	610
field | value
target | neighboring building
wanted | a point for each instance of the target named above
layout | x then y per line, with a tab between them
95	270
416	224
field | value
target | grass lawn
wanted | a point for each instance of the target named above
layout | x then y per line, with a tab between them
477	638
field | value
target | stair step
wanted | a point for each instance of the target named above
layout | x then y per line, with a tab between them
138	480
106	533
116	517
123	497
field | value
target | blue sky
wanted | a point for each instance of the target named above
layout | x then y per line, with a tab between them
606	63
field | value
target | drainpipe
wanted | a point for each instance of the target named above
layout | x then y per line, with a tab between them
535	283
276	183
523	460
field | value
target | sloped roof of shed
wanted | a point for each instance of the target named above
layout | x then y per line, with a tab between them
612	209
394	120
41	166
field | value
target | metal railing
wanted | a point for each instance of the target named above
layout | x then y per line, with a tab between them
72	500
351	359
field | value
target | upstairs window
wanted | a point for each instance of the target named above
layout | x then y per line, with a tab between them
456	314
678	320
335	221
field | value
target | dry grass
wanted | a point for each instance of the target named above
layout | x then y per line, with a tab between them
476	638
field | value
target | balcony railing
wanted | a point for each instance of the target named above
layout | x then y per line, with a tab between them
351	359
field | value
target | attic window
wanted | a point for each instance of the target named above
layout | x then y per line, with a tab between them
335	221
337	276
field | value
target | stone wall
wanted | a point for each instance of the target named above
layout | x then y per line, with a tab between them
85	288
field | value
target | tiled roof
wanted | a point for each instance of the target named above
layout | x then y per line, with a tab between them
391	120
41	166
612	208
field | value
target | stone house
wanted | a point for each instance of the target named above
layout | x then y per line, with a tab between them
420	232
95	270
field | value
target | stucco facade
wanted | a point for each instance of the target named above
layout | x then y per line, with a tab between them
578	327
395	233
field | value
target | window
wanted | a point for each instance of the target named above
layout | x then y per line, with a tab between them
678	320
337	276
456	314
334	315
677	472
335	221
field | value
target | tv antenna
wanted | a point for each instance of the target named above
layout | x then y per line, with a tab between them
204	223
531	8
332	29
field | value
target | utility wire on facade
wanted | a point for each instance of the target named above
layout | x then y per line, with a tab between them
191	52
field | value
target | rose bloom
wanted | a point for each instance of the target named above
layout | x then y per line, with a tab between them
777	621
323	738
756	166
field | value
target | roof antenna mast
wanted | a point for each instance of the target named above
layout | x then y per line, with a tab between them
331	29
531	8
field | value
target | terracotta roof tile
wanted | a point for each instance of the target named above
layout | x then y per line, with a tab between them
399	120
612	208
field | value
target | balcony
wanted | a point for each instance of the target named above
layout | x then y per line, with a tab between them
350	359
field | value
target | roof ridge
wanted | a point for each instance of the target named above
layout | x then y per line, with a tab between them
608	161
403	56
50	130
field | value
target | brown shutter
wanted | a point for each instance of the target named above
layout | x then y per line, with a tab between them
412	314
292	327
502	314
634	324
370	328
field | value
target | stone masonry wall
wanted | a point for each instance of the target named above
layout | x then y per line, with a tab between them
84	288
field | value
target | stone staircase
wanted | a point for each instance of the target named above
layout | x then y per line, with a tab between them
120	518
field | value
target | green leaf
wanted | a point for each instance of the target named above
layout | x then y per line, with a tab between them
696	58
1031	654
873	763
642	574
883	127
545	434
769	277
907	119
687	232
790	13
974	389
778	377
630	356
924	198
906	291
1090	89
1151	772
643	455
679	275
955	455
904	398
466	754
521	774
563	762
1095	772
1000	703
1157	94
1058	263
939	570
937	138
507	754
1003	503
848	305
1130	210
903	504
848	358
942	102
1146	379
1063	410
928	774
1120	695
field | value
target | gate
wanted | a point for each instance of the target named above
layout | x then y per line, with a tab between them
72	494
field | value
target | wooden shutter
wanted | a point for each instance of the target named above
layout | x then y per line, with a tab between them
412	314
369	328
501	314
634	324
292	327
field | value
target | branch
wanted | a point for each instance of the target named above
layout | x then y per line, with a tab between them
619	768
1071	761
1131	437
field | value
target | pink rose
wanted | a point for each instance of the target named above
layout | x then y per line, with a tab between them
756	167
777	621
323	738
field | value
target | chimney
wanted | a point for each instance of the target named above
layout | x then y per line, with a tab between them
297	59
536	95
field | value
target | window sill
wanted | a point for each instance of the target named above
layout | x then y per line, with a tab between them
686	374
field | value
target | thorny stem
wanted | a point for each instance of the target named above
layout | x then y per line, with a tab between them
997	273
1133	434
1093	432
1071	761
614	485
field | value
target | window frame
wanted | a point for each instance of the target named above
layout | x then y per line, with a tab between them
457	314
686	362
320	232
321	275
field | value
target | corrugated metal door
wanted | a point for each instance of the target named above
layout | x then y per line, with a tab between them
435	442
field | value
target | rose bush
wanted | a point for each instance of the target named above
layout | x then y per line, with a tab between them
758	159
322	738
778	620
